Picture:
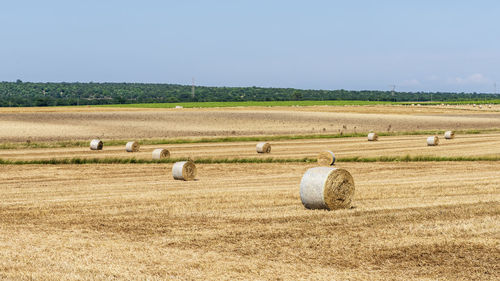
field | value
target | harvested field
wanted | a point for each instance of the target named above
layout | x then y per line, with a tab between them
47	124
80	222
418	220
463	145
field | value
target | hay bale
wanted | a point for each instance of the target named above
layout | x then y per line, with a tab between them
372	137
326	158
160	153
326	188
263	147
432	141
96	144
185	170
449	135
132	146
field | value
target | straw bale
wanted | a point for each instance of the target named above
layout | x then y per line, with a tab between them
263	147
184	170
96	144
326	158
160	153
432	141
372	137
132	146
326	188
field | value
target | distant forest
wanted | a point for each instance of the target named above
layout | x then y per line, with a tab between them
50	94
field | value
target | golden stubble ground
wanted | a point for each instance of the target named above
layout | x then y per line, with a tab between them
246	221
49	124
424	220
463	145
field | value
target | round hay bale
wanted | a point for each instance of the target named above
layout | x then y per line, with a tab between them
185	170
263	147
326	158
96	144
132	146
432	141
372	137
326	188
449	135
160	153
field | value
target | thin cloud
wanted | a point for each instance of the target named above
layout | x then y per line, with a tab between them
476	78
410	82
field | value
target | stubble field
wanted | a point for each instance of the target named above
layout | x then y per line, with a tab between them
85	123
410	220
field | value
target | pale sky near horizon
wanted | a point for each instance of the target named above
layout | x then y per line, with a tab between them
419	46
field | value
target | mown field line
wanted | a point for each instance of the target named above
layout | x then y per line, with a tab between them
407	158
69	144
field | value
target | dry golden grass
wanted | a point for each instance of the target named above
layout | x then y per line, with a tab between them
94	222
420	220
49	124
463	145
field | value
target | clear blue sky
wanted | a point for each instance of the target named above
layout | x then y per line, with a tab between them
419	46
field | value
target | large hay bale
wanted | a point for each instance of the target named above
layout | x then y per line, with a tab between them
96	144
326	188
160	153
185	170
132	146
326	158
432	141
263	147
449	135
372	137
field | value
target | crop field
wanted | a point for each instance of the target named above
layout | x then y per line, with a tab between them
473	145
419	212
83	123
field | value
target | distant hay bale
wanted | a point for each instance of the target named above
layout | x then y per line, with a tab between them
185	170
326	158
160	153
132	146
326	188
372	137
263	147
432	141
179	106
449	135
96	144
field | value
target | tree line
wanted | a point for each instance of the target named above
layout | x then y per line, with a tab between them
51	94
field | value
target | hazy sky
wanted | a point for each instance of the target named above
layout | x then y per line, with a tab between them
418	46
